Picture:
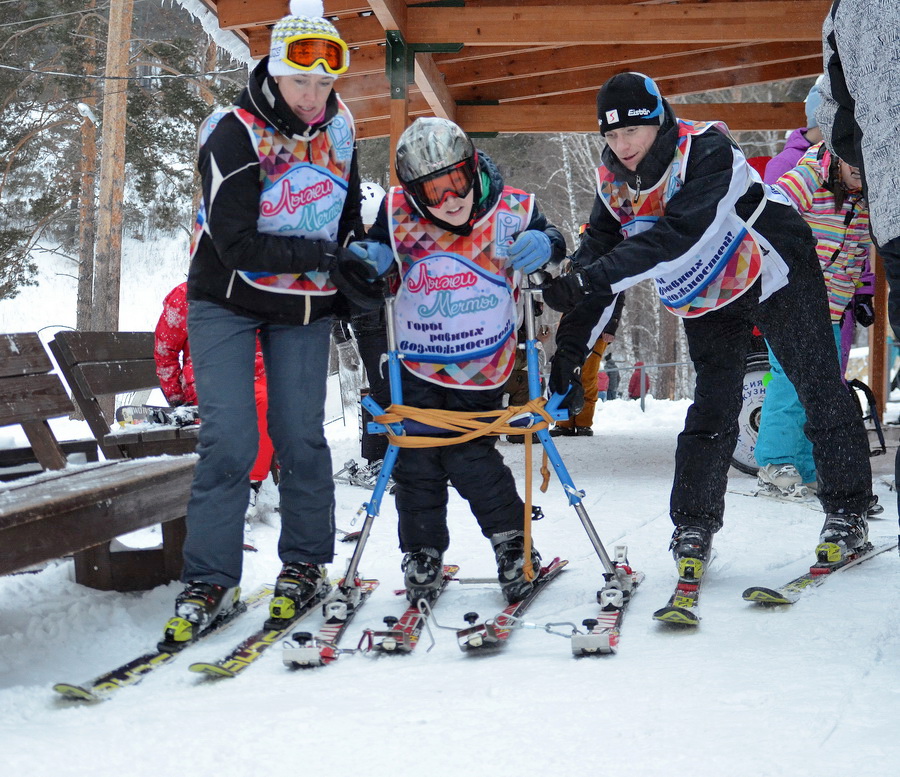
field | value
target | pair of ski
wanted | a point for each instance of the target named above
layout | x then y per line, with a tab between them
683	606
403	633
340	604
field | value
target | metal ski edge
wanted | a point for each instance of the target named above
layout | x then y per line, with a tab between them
133	671
790	592
252	648
403	635
494	632
322	647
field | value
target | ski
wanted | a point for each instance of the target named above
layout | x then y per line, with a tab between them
818	573
603	632
362	475
252	648
683	606
804	499
402	634
322	647
494	632
135	670
185	415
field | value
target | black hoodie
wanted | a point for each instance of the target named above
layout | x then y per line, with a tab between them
231	239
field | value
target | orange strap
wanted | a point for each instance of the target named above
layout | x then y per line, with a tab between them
470	426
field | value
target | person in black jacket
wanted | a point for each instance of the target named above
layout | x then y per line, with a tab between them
461	238
281	197
677	202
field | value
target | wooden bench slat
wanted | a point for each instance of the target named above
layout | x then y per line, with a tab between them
105	346
23	354
30	397
78	487
119	377
113	499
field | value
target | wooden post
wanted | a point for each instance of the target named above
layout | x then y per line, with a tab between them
399	122
108	256
87	191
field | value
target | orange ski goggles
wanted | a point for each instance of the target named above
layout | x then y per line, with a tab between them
306	52
457	181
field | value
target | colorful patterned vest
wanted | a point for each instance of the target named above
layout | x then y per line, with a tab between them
718	270
303	186
455	314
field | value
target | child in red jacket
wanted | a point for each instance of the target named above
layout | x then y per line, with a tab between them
176	373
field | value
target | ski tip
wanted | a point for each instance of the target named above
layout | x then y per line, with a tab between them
76	693
211	670
677	616
765	596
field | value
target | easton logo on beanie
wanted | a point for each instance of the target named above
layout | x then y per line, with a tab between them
628	99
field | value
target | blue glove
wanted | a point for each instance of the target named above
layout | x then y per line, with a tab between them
376	258
530	251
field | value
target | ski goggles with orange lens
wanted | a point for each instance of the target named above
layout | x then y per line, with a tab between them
456	181
307	52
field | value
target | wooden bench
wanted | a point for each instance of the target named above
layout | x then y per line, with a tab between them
82	509
18	463
99	365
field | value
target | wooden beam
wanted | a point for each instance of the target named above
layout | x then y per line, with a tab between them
365	109
583	117
248	13
751	20
399	121
433	87
390	13
532	62
519	85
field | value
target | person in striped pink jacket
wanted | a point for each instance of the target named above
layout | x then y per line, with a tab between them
828	194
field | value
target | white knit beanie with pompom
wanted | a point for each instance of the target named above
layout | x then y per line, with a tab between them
305	18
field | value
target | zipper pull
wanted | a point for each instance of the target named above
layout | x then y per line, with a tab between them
637	191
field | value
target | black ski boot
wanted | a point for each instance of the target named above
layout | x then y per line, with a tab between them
843	534
691	547
195	608
295	585
423	573
509	549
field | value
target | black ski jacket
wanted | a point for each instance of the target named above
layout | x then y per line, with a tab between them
613	264
231	241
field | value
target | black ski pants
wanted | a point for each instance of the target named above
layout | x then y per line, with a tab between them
475	469
889	254
795	322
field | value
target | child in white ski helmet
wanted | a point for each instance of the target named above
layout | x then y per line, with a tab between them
461	238
677	202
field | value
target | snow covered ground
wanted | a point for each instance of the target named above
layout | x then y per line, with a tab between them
814	689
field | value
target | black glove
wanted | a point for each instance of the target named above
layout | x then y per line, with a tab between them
565	376
353	280
864	309
564	292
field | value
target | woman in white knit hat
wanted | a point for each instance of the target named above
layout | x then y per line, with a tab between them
281	200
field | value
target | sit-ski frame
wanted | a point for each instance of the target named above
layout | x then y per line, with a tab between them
616	574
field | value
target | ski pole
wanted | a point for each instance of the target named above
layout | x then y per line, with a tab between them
552	407
373	506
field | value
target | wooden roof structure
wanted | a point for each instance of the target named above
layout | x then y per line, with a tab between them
536	65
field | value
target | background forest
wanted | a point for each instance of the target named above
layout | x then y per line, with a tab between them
52	55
